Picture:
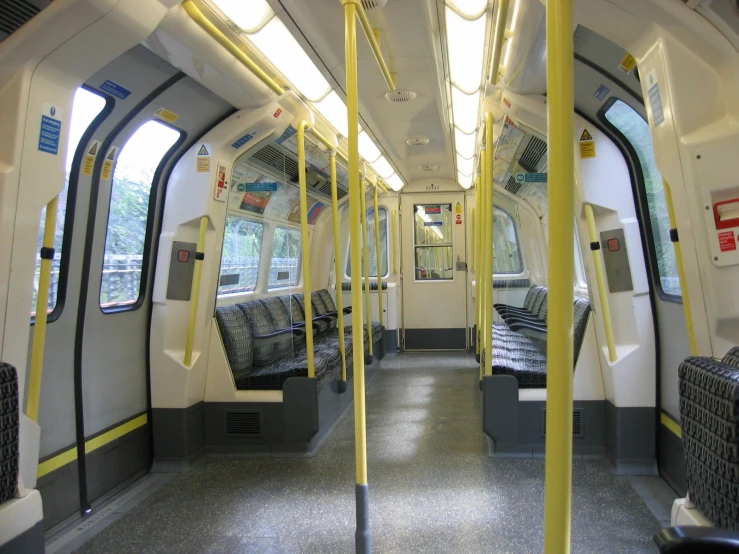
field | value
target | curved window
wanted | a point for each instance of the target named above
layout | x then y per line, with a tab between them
125	240
506	254
635	130
242	246
87	106
284	265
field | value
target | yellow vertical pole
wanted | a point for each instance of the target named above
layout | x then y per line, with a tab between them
600	278
488	242
473	239
475	266
481	281
394	232
561	106
378	252
363	541
42	308
307	289
195	291
681	270
337	262
365	259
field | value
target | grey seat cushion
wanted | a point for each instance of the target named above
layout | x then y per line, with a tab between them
237	339
293	308
327	300
281	320
261	324
273	376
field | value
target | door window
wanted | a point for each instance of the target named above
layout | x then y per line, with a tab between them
128	217
284	266
434	256
242	245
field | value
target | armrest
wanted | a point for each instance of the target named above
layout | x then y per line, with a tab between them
533	334
526	320
270	338
519	325
348	310
685	540
514	311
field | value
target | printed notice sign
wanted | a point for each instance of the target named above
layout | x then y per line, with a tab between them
51	129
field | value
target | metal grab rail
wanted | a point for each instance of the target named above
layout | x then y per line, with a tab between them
42	309
394	245
600	279
337	262
482	293
378	254
476	256
307	289
687	309
197	16
501	17
374	44
473	238
365	261
490	245
561	109
195	291
363	541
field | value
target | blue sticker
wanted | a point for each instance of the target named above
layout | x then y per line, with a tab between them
531	177
290	131
51	130
242	141
602	92
655	99
433	223
115	89
257	187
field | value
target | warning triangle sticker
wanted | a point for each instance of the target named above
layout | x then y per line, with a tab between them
94	149
585	135
111	154
203	151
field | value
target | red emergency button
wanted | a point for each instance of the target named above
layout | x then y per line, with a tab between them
613	245
183	256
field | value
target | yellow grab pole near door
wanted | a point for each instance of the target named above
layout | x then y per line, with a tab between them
481	292
561	109
337	263
195	291
488	242
600	279
378	252
363	541
681	270
42	309
394	239
307	289
473	238
365	259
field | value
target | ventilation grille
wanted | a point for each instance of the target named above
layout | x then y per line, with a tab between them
244	424
373	4
577	415
14	14
275	159
326	189
532	155
400	96
512	185
417	141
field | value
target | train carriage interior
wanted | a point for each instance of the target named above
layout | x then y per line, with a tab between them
356	275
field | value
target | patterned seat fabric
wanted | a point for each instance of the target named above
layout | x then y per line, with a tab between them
320	308
709	416
237	339
9	432
282	320
261	324
273	377
327	300
321	325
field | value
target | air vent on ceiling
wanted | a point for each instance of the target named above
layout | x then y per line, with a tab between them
373	4
535	150
512	185
243	423
428	167
400	95
14	14
417	141
326	189
272	157
577	415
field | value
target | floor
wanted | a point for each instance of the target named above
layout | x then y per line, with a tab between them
432	488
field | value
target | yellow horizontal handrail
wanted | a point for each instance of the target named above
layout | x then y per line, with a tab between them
320	137
501	17
197	16
374	45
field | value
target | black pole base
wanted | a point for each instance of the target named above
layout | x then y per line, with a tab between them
368	359
341	387
477	357
363	538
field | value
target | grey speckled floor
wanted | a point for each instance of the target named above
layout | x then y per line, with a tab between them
432	488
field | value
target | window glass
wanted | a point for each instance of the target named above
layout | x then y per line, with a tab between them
433	242
633	127
372	246
242	245
129	212
581	280
86	107
507	256
284	265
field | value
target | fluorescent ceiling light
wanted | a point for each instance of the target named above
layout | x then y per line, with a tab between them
395	182
247	16
283	51
465	107
514	17
469	8
465	143
332	107
382	167
508	47
464	180
464	166
465	45
367	148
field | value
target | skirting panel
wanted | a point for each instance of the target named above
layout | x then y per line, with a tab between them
436	339
630	445
178	433
30	542
60	494
672	460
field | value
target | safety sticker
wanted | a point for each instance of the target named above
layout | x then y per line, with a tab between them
726	241
458	212
115	89
587	145
506	102
108	163
602	92
167	115
202	163
432	209
89	162
51	129
221	187
628	63
655	99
